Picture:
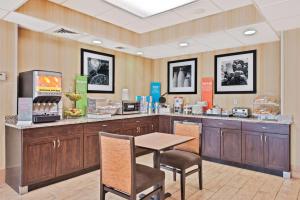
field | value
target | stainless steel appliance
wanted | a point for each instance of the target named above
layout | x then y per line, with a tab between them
241	112
129	107
45	89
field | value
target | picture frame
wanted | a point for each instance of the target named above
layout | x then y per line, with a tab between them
235	73
100	71
182	76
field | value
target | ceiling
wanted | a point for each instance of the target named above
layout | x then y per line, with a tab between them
107	12
279	15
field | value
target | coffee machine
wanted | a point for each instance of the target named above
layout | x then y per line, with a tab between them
45	89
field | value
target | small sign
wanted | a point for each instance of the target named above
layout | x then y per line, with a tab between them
155	91
207	91
81	88
24	111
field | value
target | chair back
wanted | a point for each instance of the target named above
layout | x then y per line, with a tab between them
191	130
117	162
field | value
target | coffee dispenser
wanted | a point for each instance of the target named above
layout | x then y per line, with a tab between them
45	89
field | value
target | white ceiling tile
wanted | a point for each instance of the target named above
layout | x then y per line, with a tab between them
29	22
197	9
264	34
231	4
58	1
281	10
218	40
287	23
118	17
92	7
139	26
11	5
3	13
268	2
165	19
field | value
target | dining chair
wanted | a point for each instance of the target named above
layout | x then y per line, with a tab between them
185	156
121	175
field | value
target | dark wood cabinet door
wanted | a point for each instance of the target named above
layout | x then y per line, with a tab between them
231	145
211	142
91	150
39	156
69	154
252	148
131	127
276	152
164	124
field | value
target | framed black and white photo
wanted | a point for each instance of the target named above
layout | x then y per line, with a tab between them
235	73
100	70
182	76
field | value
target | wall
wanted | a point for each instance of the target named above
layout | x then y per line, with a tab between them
41	51
8	64
268	74
291	92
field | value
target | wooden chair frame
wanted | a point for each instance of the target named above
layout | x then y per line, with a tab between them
160	191
183	173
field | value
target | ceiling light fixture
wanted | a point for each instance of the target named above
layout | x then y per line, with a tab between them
183	44
97	42
139	53
146	8
250	32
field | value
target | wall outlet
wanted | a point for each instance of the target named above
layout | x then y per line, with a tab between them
3	76
235	102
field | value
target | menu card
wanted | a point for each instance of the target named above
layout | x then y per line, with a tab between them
24	111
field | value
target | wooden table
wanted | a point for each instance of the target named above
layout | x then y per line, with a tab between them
158	142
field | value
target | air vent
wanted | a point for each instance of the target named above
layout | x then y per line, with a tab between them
120	48
64	31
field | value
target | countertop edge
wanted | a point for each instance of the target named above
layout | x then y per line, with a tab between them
120	117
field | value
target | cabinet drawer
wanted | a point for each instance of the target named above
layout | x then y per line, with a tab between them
266	127
228	124
93	128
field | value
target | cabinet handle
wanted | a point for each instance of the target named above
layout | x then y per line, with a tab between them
54	144
261	138
152	127
264	127
58	143
137	121
265	139
104	125
221	133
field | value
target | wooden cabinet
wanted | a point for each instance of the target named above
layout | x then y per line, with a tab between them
164	124
39	156
231	145
266	145
252	148
113	126
183	119
276	152
69	154
211	142
222	139
52	152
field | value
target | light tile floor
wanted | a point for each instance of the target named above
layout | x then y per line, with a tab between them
220	182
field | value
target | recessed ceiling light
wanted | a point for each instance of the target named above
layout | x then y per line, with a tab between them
97	42
139	53
183	44
146	8
250	32
120	48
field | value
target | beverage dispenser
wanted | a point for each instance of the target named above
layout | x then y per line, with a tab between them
45	89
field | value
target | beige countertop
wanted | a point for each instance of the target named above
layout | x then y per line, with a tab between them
83	120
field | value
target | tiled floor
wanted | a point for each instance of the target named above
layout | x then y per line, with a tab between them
220	182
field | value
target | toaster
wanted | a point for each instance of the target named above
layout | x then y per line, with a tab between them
241	112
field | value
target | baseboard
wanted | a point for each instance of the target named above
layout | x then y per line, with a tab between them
2	176
295	171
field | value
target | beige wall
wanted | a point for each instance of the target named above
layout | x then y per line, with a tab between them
268	74
8	64
45	52
291	92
